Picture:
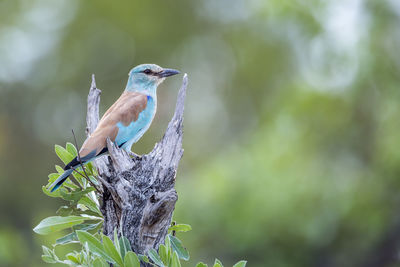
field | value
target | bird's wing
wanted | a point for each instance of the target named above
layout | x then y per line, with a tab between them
125	110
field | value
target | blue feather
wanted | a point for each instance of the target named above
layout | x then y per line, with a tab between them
60	180
127	135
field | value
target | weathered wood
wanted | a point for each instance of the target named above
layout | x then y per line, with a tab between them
139	195
92	119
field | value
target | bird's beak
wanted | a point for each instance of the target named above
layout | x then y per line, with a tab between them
167	72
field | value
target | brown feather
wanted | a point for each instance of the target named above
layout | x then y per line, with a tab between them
125	110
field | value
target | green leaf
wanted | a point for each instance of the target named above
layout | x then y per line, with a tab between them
79	175
75	196
65	211
59	169
63	154
71	149
178	247
94	245
217	261
72	257
92	178
217	265
99	262
72	237
48	259
69	263
124	245
155	258
87	227
131	260
200	264
111	250
67	239
116	242
90	204
68	183
53	177
175	260
48	255
164	255
51	194
143	258
240	264
167	243
46	251
57	223
78	211
180	228
91	170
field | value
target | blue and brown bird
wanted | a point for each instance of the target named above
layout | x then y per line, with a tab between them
126	120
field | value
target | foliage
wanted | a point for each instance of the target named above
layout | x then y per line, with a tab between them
82	218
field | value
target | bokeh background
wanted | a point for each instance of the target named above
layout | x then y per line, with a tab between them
292	120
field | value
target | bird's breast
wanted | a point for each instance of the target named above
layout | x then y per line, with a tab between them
131	133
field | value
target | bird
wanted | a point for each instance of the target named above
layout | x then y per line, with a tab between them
126	120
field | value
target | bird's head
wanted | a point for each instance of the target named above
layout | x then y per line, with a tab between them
147	77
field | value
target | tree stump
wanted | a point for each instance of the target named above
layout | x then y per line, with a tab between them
138	192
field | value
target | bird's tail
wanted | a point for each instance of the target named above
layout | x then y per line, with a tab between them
60	180
69	168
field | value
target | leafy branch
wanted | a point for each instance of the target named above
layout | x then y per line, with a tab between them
82	218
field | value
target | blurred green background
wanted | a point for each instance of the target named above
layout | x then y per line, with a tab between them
292	120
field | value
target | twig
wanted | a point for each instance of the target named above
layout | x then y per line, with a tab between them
173	231
81	174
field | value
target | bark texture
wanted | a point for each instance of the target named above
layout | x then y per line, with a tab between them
138	192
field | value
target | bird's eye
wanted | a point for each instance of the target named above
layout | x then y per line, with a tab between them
147	71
